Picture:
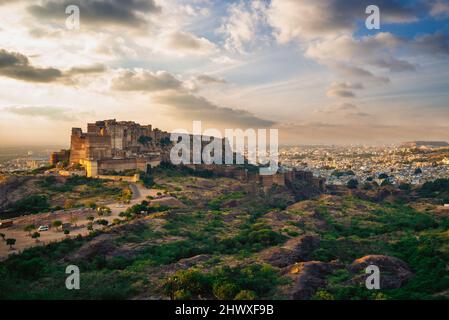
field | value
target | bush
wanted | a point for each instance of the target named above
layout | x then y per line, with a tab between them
36	235
30	204
225	291
102	222
215	204
56	223
224	283
246	295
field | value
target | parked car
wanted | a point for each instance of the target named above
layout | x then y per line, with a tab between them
42	228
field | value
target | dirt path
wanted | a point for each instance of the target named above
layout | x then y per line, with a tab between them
24	241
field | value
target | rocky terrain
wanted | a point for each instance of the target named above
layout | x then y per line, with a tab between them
28	194
221	239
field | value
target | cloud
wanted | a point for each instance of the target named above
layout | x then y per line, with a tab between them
377	51
343	90
47	112
358	73
326	30
240	26
436	44
345	109
307	19
339	107
207	79
193	107
17	66
89	69
2	2
129	13
168	90
187	43
144	80
439	9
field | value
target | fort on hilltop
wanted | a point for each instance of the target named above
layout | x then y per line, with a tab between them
112	145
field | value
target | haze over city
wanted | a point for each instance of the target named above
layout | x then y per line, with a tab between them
314	71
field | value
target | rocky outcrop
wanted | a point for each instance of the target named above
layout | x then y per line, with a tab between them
186	263
294	250
101	245
308	277
170	202
394	272
8	188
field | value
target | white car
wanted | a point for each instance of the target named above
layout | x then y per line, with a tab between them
42	228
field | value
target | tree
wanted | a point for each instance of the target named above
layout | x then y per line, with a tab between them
66	232
29	228
10	242
405	187
147	180
225	291
57	224
383	176
170	286
103	222
2	235
145	140
30	204
164	142
126	215
36	236
92	205
418	171
246	295
103	210
91	218
353	184
90	227
69	204
74	220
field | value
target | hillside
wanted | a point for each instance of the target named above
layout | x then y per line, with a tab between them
229	241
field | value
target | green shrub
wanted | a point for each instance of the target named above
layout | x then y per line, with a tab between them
31	204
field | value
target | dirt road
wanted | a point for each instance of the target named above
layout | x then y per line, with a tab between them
76	218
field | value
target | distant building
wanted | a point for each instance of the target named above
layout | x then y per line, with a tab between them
426	144
59	156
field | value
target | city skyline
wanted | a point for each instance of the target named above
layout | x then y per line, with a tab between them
315	72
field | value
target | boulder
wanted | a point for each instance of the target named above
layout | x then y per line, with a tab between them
185	264
394	272
101	245
308	277
294	250
170	202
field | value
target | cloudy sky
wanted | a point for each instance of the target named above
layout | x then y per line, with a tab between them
309	68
